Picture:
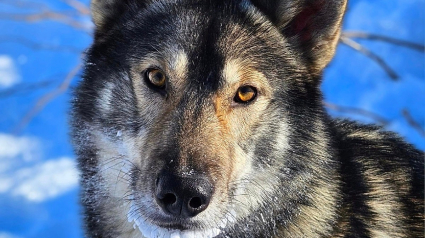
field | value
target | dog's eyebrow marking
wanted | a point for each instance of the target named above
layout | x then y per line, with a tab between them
104	100
237	72
179	64
231	71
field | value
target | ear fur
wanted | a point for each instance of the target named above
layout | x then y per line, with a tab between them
102	10
107	11
313	26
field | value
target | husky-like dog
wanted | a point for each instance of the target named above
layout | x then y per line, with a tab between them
204	118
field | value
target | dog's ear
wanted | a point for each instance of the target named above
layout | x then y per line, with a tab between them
105	12
313	26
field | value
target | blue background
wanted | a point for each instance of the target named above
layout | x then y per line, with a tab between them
38	179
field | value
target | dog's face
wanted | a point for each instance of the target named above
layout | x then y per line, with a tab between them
192	106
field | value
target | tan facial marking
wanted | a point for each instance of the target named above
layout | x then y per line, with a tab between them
236	74
220	112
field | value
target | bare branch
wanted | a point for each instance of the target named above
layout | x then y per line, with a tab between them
412	122
80	7
356	46
358	111
38	46
369	36
25	4
43	101
44	15
24	88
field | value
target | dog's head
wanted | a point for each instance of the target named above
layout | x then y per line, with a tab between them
203	114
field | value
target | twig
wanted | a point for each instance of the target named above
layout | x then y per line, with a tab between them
357	111
38	46
44	15
24	88
80	7
412	122
369	36
31	87
24	4
43	101
370	54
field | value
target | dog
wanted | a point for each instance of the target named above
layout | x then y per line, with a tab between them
204	118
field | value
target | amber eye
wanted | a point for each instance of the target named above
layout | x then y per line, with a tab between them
156	77
245	94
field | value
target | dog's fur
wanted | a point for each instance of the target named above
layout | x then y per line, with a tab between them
276	166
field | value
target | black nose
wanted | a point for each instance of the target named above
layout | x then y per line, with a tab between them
183	197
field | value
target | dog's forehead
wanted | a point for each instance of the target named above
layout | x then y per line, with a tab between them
202	42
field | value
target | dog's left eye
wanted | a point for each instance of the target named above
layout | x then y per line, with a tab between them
245	94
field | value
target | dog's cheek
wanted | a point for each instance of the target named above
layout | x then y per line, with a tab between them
244	120
244	123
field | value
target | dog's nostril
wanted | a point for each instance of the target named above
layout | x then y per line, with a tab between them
182	197
195	202
169	199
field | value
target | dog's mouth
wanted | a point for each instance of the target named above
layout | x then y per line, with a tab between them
161	220
176	226
179	225
164	228
187	229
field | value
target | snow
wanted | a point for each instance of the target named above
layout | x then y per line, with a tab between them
8	72
24	175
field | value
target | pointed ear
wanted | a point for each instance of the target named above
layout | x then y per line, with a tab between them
312	26
102	10
105	12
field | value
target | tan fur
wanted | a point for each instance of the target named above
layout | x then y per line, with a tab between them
385	202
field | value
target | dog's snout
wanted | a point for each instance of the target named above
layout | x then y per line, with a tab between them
183	197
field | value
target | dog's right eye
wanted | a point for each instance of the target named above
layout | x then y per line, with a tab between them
156	78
